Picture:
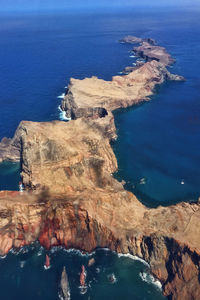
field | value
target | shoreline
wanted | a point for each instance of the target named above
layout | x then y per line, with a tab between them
76	202
38	251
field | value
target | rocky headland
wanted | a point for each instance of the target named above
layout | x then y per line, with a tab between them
130	39
72	199
94	97
151	52
147	50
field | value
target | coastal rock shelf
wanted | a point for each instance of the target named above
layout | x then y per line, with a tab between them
71	198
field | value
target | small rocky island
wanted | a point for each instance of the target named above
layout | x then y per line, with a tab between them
71	197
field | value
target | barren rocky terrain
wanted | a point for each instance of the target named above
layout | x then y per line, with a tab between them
72	199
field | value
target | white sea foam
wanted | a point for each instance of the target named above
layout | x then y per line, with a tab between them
98	270
62	298
150	280
71	250
22	263
132	56
61	96
62	115
78	252
40	251
112	278
134	257
21	250
134	64
83	290
55	249
105	249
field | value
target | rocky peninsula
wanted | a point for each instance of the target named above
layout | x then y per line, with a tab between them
72	199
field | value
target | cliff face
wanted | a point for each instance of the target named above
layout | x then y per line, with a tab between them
77	203
72	199
152	52
123	91
167	238
148	50
10	148
67	157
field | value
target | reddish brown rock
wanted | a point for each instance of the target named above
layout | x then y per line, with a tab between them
76	202
96	211
115	220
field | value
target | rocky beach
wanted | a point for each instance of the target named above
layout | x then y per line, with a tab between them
71	197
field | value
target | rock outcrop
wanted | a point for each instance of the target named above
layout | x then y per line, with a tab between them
64	286
122	91
10	149
71	198
153	52
79	204
148	50
130	39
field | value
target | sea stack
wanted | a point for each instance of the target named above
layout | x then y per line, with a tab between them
64	286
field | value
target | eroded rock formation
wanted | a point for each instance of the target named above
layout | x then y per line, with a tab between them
153	52
72	199
10	149
130	39
166	237
122	91
79	204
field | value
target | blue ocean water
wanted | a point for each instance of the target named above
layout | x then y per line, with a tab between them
158	141
161	139
29	280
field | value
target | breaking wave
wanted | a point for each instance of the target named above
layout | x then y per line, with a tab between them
61	96
147	277
62	115
134	257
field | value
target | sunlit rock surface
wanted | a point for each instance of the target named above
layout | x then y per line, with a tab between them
71	198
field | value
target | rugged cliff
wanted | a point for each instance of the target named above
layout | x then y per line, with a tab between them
93	94
77	203
149	50
153	52
167	238
72	199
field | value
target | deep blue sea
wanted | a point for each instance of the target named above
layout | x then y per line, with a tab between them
23	276
158	145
